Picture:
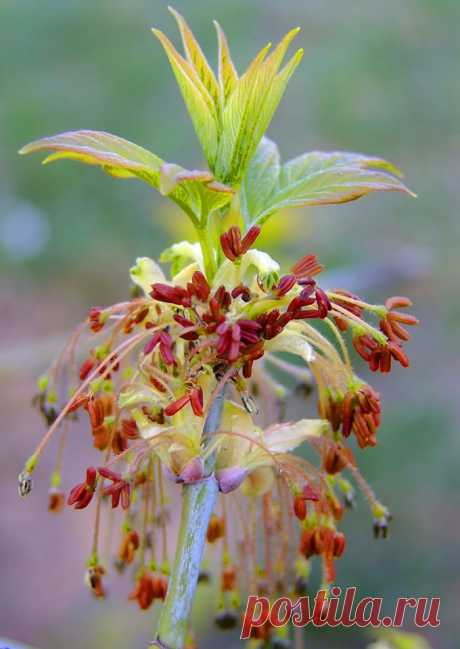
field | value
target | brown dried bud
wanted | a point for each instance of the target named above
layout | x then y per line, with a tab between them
93	579
128	547
228	578
306	547
216	529
336	458
160	587
56	500
143	592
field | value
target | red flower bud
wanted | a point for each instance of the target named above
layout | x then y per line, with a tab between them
81	495
177	405
96	318
232	244
216	529
196	401
143	592
199	286
86	368
300	508
285	284
307	267
160	587
171	294
249	238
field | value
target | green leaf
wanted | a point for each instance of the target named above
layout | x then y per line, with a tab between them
116	156
228	75
273	98
230	114
250	108
199	102
261	178
312	179
196	192
196	58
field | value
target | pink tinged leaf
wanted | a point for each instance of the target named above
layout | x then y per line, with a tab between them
317	178
123	159
115	155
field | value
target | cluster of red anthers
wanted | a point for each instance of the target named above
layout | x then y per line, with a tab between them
378	355
82	494
233	245
358	411
238	342
212	333
317	539
202	317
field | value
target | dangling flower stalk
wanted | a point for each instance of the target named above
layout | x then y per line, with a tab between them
175	384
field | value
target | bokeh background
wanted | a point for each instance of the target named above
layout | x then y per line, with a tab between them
377	77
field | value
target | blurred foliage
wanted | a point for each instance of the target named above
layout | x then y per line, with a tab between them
392	639
378	78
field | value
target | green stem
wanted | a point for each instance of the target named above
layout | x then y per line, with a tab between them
197	506
207	248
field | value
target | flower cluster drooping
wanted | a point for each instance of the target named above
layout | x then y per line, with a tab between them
162	359
144	374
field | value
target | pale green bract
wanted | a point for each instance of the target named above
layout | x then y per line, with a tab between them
145	273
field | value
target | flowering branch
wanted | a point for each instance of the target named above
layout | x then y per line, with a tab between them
155	367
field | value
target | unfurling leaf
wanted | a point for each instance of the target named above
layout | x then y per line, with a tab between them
230	114
200	104
314	178
196	58
250	108
196	192
228	75
261	179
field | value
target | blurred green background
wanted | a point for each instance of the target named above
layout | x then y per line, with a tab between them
377	77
